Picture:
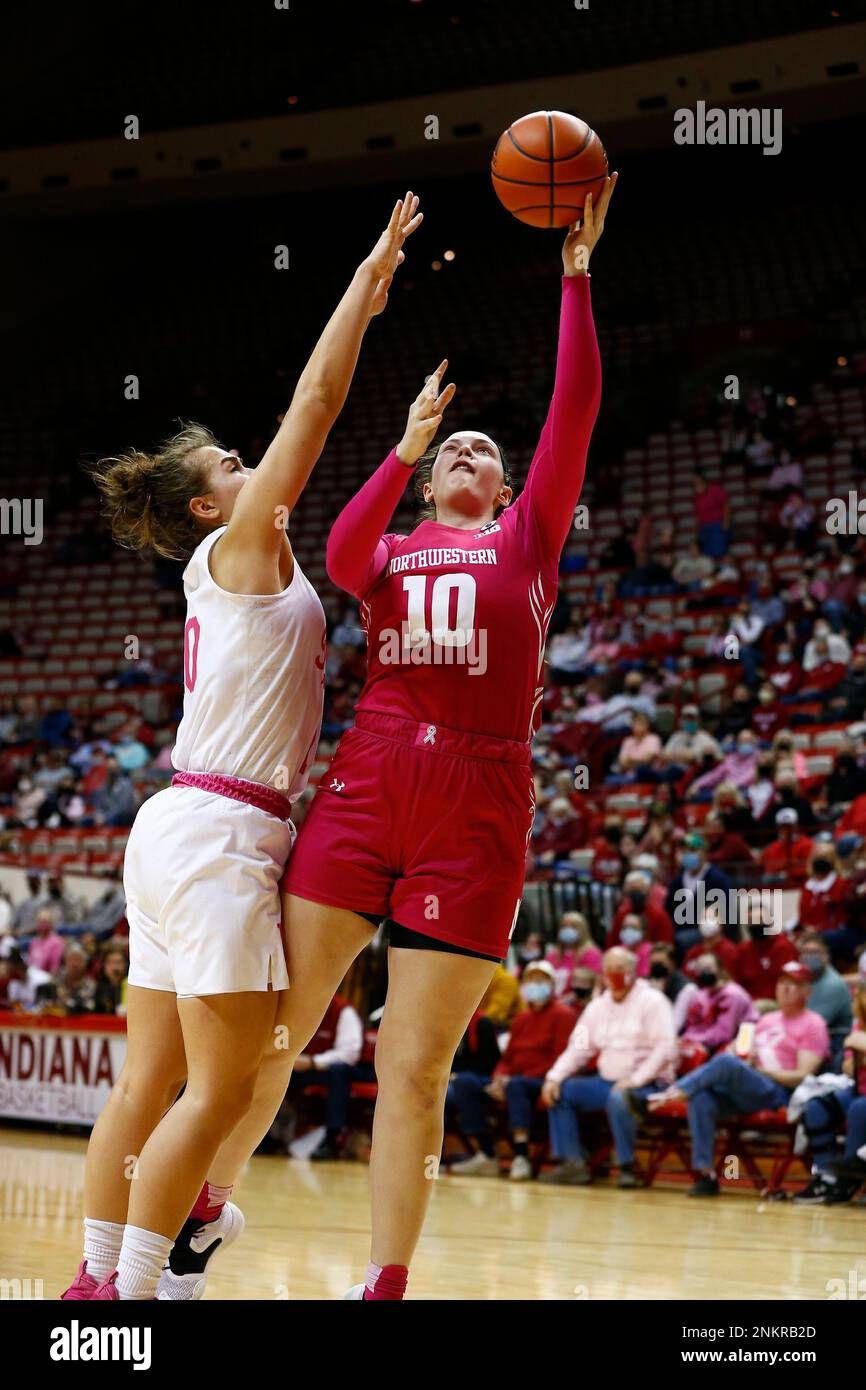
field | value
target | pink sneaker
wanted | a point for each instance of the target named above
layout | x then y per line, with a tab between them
107	1289
83	1286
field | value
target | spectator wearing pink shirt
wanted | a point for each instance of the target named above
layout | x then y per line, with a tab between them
719	1007
630	1027
739	767
47	949
575	949
787	1046
641	749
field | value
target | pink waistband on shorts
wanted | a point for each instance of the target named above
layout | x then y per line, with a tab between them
435	738
253	793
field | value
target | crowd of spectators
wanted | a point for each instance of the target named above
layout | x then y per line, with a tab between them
59	956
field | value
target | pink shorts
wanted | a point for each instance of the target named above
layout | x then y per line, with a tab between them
422	824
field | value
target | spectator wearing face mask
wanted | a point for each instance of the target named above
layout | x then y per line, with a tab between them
642	896
501	1000
825	645
689	746
689	890
739	768
825	900
538	1036
788	858
581	989
712	939
784	672
788	1045
633	936
614	715
677	988
719	1007
761	957
630	1028
574	947
830	996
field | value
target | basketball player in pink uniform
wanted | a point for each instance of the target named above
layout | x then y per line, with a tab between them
205	856
424	815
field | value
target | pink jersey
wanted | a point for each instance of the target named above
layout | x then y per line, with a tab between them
457	620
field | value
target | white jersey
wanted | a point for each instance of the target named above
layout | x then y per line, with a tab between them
254	675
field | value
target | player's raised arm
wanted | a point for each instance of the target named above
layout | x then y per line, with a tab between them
356	552
556	474
256	531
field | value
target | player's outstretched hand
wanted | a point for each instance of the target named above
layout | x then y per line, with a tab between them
582	236
425	416
387	254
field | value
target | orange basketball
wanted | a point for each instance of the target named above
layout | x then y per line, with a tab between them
544	165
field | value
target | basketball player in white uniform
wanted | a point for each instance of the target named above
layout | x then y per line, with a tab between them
205	855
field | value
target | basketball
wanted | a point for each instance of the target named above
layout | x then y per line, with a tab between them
544	165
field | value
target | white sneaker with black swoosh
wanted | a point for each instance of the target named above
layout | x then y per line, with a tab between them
185	1275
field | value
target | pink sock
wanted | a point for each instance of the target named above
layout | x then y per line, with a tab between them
209	1203
385	1282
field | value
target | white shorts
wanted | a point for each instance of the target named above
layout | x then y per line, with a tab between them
202	875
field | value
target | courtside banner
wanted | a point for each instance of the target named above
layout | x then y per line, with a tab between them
58	1069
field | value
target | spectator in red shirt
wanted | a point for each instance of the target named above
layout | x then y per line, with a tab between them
562	832
608	863
770	716
785	673
719	1007
712	514
789	857
825	900
538	1036
825	675
854	820
762	953
563	786
713	939
640	895
725	847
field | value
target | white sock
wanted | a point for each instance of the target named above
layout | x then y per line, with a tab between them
143	1256
102	1242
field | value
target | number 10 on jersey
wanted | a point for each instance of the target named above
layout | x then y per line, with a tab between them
416	632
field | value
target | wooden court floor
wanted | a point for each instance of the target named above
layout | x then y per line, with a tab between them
486	1238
